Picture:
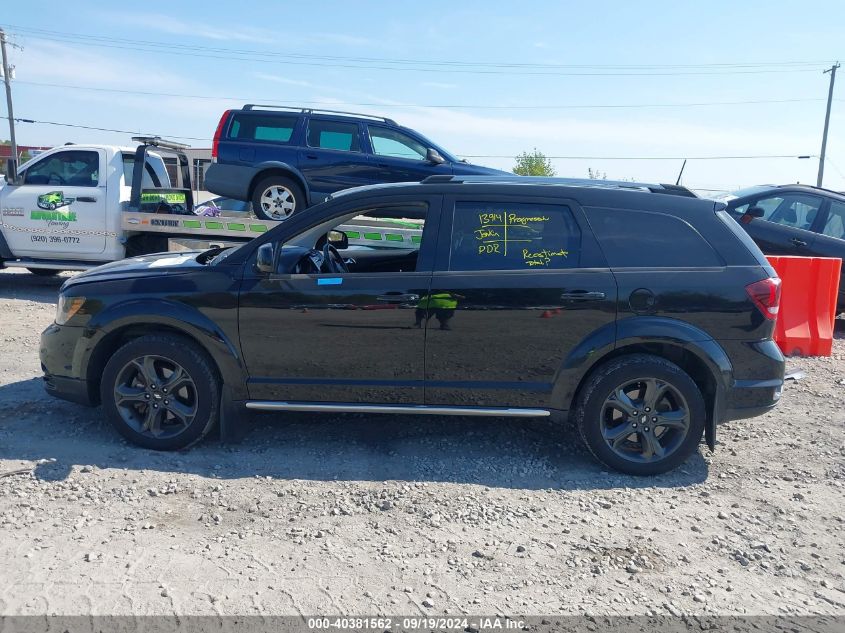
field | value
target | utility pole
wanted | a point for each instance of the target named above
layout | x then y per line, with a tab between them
832	71
8	81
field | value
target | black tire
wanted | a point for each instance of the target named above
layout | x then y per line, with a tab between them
200	397
44	272
290	200
602	424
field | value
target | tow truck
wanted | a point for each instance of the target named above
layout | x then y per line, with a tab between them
75	207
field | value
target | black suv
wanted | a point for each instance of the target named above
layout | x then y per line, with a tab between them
794	220
285	159
647	316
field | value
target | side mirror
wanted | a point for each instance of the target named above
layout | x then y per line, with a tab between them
12	172
265	259
338	239
751	213
433	156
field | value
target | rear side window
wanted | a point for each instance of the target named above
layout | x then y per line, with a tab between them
333	135
252	127
646	239
496	236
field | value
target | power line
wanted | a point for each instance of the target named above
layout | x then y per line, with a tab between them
194	138
425	105
641	157
364	63
105	129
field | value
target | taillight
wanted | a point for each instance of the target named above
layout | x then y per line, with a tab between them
766	296
217	133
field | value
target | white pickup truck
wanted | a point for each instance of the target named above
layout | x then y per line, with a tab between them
78	206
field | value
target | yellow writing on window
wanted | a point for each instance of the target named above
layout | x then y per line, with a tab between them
542	257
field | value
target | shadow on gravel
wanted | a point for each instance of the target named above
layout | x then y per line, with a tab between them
20	284
495	452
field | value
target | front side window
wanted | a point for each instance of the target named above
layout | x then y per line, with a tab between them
513	236
76	168
647	239
387	142
333	135
251	127
790	209
834	226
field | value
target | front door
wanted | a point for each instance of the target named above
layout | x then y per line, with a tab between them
59	211
785	228
348	337
517	286
398	157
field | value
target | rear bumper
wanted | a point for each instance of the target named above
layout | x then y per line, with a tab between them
750	397
231	181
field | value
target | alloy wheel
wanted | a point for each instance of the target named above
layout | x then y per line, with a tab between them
645	420
155	396
278	202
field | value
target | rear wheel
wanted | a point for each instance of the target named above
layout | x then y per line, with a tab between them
641	415
161	392
44	272
277	198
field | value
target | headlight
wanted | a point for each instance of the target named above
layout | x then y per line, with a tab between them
67	307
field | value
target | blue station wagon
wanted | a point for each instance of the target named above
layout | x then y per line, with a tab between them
284	159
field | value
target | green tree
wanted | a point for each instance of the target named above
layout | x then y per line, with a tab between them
596	174
533	164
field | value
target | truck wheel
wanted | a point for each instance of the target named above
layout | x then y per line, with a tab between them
641	414
44	272
161	392
277	198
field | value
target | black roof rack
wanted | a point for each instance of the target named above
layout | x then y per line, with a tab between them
676	190
253	106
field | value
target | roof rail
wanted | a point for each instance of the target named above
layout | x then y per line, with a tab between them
253	106
157	141
676	190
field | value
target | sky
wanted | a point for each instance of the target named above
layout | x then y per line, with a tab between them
486	80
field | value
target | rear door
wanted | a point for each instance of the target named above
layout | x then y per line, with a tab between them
334	157
399	157
59	211
787	222
518	284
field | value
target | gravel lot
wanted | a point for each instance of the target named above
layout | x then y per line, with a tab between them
365	515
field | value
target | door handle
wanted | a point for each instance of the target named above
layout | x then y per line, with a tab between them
311	156
398	297
796	242
583	295
86	199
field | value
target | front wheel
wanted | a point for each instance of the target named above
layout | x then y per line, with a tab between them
161	392
277	198
641	415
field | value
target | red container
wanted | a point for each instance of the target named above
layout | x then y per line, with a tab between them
809	289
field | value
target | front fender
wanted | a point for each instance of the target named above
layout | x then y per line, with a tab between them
173	316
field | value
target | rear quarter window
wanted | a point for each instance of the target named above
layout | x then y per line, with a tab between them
649	239
251	127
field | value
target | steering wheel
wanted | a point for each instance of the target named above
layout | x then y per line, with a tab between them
332	259
61	181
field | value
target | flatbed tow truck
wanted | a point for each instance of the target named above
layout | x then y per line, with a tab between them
75	207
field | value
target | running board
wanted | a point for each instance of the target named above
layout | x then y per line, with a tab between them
341	407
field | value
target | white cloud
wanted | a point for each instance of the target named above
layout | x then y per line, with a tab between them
281	80
173	26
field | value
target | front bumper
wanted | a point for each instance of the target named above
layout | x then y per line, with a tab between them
61	362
